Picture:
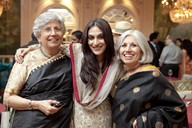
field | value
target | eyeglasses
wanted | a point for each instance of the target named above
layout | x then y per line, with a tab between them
49	30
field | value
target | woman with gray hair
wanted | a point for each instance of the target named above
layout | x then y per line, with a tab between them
143	97
40	89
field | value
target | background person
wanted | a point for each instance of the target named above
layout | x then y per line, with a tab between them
5	69
32	42
132	104
5	66
120	27
179	42
160	43
43	81
76	36
153	43
170	58
185	67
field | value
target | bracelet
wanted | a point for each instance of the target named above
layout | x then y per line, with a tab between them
30	104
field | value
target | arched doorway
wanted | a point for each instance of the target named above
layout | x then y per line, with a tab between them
115	15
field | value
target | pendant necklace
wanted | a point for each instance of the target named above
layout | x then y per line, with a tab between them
44	54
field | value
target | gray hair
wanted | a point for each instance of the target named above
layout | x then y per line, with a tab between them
147	55
45	18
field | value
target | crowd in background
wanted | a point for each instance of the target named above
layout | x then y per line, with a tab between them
173	56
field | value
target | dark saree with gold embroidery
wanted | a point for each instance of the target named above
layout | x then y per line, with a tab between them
150	99
52	80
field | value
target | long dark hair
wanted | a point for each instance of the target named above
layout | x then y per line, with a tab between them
90	66
187	45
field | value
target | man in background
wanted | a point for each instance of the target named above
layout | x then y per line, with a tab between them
153	43
170	58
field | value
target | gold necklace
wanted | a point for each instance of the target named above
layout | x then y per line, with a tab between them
44	54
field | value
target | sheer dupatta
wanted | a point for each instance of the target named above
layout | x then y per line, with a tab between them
104	85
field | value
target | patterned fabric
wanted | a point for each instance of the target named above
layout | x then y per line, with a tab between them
39	80
99	117
148	97
97	113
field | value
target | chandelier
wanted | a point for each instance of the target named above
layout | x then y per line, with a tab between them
4	5
180	11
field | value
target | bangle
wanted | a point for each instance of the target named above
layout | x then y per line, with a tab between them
30	104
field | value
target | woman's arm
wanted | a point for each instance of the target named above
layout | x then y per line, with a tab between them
21	52
18	77
19	103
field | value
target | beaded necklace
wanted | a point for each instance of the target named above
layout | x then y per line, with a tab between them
44	54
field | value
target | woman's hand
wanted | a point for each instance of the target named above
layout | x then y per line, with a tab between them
135	124
20	53
46	106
